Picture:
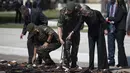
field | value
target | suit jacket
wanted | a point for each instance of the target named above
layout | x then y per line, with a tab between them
36	17
96	23
119	18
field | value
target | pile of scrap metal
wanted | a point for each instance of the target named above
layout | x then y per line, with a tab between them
14	67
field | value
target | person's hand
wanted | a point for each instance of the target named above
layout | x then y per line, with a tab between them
69	36
45	45
107	20
128	33
61	41
105	31
21	36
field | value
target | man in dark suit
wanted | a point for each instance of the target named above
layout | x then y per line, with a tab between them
111	38
32	16
18	16
118	19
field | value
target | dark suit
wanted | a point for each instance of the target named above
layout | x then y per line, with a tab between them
38	18
120	24
96	25
119	34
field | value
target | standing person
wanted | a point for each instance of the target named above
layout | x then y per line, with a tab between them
18	16
119	21
32	16
67	21
45	40
111	32
97	27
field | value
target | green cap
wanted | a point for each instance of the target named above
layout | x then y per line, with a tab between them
30	27
70	6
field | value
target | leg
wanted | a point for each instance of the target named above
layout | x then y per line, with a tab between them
44	52
16	17
91	51
67	47
122	60
75	47
34	55
111	49
19	16
102	53
30	47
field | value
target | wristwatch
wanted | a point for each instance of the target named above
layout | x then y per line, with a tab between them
48	41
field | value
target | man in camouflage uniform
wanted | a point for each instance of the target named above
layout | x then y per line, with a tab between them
68	19
45	40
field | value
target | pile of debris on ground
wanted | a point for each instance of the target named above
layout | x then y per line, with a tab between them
14	67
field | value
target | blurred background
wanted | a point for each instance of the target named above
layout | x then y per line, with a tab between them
8	8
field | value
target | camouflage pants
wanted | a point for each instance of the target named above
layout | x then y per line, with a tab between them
44	52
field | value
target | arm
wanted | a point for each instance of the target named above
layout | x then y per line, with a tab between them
60	28
103	22
79	25
50	32
24	31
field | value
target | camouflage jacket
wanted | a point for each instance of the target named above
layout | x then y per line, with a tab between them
69	22
42	35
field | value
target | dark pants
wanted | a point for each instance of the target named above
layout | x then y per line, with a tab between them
101	49
122	60
71	50
44	52
30	47
111	47
18	16
119	35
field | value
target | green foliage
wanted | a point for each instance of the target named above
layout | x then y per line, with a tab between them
51	14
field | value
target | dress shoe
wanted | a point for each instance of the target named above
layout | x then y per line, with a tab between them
119	66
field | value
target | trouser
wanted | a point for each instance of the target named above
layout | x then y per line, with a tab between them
101	50
71	50
111	47
18	16
120	35
30	47
44	52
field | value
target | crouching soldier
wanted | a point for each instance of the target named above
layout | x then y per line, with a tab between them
45	40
